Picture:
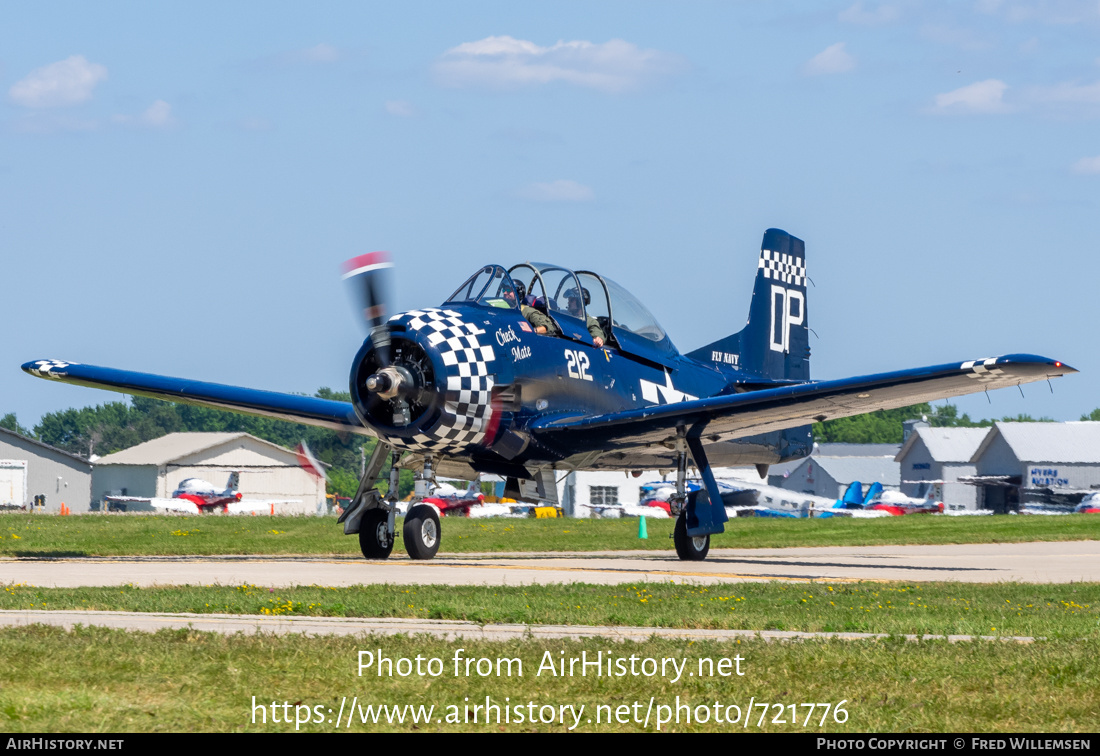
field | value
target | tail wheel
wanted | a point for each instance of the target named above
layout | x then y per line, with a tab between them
375	538
689	548
421	532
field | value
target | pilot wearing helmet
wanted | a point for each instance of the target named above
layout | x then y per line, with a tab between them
573	304
542	323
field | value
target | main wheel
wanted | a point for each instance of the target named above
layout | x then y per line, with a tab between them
421	532
689	548
375	539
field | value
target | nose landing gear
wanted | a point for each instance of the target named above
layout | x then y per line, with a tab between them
374	518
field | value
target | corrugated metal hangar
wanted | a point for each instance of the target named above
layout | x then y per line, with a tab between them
1017	461
156	468
30	468
940	454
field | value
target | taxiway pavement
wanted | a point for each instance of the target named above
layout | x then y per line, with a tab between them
446	629
1046	562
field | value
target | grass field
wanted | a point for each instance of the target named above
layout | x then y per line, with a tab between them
1049	611
99	680
112	535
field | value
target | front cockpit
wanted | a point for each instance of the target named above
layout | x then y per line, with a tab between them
580	304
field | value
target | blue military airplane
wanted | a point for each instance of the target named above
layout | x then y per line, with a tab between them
469	387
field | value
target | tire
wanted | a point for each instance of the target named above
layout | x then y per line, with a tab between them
689	548
421	532
375	539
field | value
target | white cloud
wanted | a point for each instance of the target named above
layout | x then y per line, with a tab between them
880	16
562	190
156	116
1087	165
321	53
255	124
400	108
980	97
66	82
508	63
833	59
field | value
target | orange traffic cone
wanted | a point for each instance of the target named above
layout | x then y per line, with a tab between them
272	509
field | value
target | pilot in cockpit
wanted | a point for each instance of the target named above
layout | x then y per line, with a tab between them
573	303
540	321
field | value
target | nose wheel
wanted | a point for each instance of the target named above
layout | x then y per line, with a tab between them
421	532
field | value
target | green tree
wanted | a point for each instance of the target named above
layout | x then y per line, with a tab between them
10	422
879	427
1094	416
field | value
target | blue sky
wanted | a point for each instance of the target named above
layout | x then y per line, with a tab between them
180	183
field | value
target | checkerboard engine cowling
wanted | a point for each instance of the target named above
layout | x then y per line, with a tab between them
466	400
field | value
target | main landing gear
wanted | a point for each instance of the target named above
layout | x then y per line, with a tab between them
374	519
702	513
688	548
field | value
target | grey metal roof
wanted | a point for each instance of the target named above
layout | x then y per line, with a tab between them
856	450
844	470
946	444
838	450
1074	442
36	442
166	449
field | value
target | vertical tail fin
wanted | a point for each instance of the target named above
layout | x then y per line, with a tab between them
853	496
872	493
234	482
774	344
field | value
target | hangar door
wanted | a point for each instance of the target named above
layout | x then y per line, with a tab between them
13	482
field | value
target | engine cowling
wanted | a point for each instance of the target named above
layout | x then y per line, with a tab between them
435	393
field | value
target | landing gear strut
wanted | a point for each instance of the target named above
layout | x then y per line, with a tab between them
368	514
421	532
688	548
701	515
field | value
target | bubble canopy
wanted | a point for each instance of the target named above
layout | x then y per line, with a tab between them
570	298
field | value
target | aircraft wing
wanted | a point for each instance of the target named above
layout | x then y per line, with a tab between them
259	506
181	506
308	410
724	418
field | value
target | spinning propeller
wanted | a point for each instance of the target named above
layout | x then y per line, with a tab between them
391	379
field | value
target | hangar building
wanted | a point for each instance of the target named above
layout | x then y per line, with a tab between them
156	468
30	468
1015	457
831	468
941	454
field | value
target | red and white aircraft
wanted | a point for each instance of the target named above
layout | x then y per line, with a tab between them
196	496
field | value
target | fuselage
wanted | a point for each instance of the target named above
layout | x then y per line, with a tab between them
492	376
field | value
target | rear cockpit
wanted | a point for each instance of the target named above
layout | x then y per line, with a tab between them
572	300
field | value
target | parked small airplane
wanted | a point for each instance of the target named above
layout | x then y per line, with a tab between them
476	385
1090	505
197	496
746	498
897	503
455	502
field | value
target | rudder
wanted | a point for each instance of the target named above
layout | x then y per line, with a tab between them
774	344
